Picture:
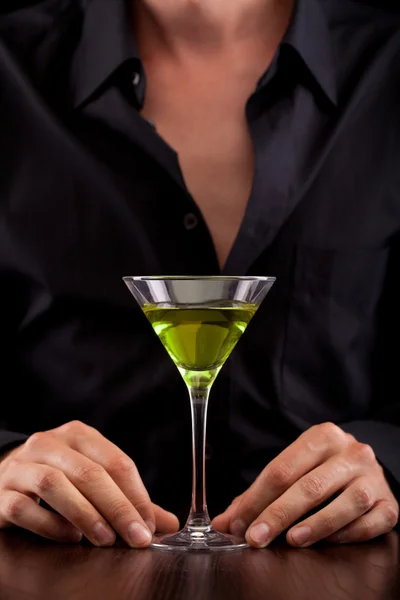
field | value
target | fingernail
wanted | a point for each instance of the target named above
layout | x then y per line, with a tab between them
103	535
76	536
301	535
151	525
238	528
259	534
138	535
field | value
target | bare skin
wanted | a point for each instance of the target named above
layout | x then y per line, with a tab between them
94	488
323	463
203	60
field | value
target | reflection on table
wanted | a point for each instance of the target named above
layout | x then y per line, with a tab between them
34	569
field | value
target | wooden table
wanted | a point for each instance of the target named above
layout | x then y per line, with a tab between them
31	569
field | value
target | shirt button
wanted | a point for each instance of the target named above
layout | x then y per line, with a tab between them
190	221
136	79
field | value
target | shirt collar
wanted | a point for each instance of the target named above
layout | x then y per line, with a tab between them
310	37
106	44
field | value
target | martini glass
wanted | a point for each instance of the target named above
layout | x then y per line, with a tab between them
199	320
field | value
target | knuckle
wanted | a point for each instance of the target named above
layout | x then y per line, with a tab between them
15	508
48	480
120	509
279	515
86	474
36	440
363	452
73	427
363	498
313	488
236	500
122	465
279	475
332	432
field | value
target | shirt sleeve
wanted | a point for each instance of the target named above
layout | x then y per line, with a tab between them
381	430
10	439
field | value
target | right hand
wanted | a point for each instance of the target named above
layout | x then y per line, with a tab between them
92	485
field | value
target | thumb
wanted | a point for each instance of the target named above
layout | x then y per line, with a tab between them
166	522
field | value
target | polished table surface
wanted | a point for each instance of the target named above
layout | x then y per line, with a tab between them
31	569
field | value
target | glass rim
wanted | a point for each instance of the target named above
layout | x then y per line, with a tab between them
197	277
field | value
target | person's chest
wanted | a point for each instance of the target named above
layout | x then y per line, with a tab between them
201	114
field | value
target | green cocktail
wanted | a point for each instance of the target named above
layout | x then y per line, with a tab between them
200	339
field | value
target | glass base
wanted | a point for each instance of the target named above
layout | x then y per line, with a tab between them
198	541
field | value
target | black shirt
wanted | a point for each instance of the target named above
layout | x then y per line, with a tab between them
89	192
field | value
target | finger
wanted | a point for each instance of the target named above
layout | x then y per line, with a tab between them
222	521
96	485
21	511
166	522
310	491
121	468
355	501
378	521
52	486
93	481
311	449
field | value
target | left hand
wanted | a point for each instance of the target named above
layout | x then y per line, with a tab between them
324	462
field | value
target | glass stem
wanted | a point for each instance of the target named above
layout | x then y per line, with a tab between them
199	520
